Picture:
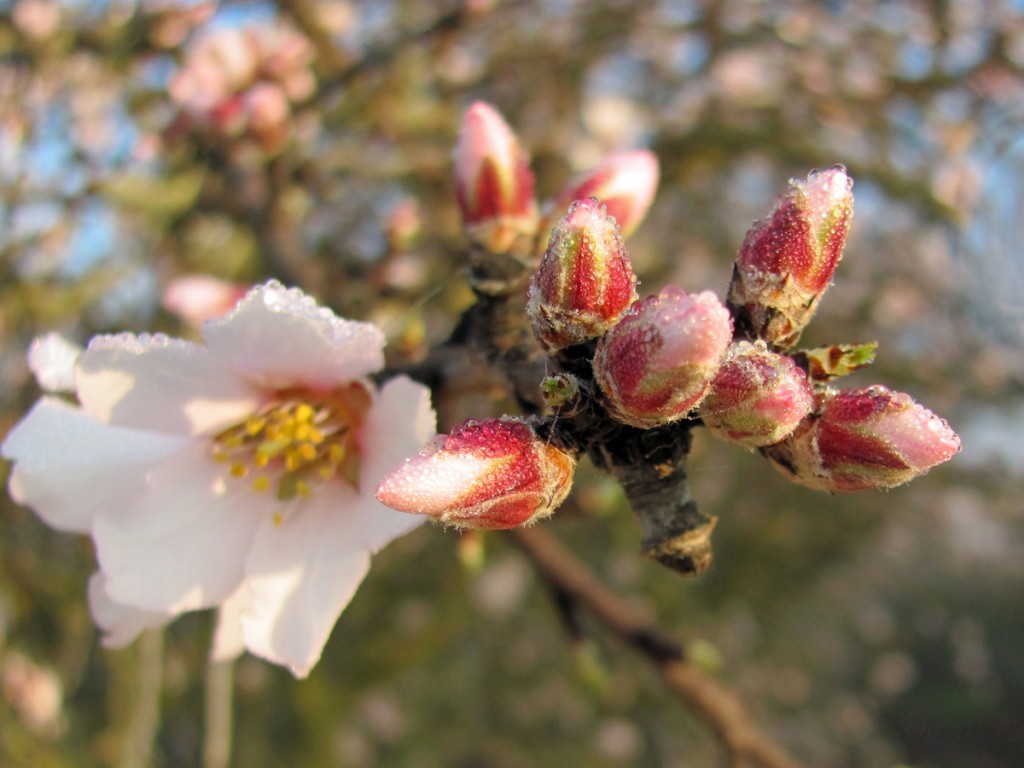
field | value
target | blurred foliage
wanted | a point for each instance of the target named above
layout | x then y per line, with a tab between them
868	630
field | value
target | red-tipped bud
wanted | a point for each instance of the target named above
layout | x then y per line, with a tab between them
493	182
584	282
624	183
787	260
655	366
757	397
490	474
862	439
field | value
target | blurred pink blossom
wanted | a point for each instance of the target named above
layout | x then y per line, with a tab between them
198	298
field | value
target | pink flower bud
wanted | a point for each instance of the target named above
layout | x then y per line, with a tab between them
757	397
490	474
624	183
656	365
269	115
584	282
198	298
787	260
862	439
493	182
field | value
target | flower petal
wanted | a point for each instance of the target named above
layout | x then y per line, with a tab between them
163	384
51	359
278	337
228	640
119	623
182	545
68	465
301	574
396	427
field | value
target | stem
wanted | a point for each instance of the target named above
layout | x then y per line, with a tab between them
218	701
650	465
718	706
145	719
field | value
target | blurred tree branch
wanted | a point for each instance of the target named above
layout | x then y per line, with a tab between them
719	707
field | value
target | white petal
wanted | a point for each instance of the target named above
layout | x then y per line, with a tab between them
400	422
167	385
68	465
183	544
51	358
433	482
228	640
119	623
301	575
279	337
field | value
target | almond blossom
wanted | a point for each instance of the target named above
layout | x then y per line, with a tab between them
239	470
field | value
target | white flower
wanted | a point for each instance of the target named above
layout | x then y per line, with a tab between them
245	465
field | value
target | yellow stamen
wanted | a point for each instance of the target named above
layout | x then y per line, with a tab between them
294	444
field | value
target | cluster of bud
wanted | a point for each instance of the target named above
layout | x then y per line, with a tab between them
490	474
651	362
243	81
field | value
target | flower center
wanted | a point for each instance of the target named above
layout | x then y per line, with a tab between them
297	441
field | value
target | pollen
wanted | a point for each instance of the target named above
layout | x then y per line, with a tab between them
296	442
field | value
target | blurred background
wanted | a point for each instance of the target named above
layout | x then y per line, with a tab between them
145	140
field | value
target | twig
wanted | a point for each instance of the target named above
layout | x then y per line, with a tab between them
305	15
340	68
220	680
718	706
145	720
